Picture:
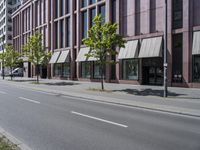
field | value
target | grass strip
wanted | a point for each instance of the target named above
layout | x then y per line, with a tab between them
5	144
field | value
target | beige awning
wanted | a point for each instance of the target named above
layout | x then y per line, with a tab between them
130	50
151	47
81	55
196	43
54	58
64	57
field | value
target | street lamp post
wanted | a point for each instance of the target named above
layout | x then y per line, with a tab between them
165	65
3	68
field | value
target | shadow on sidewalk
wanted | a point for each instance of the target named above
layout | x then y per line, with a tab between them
61	84
148	92
22	80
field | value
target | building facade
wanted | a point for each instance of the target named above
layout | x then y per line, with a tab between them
6	9
64	23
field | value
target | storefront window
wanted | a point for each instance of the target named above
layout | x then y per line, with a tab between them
86	69
57	69
66	69
196	68
130	69
97	71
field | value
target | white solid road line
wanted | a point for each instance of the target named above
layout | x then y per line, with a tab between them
47	93
29	100
99	119
2	92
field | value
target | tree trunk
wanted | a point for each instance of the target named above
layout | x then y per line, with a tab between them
102	77
11	75
37	74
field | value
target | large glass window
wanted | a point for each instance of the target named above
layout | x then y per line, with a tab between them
66	70
177	14
196	68
84	24
57	69
62	70
86	69
130	69
97	71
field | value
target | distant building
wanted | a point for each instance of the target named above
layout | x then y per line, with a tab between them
7	7
64	23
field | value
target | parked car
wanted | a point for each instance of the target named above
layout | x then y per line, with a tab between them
17	72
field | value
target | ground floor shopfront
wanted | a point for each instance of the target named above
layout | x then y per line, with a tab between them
140	62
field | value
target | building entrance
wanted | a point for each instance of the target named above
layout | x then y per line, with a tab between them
152	71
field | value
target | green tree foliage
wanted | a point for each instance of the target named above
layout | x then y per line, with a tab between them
11	58
35	51
102	40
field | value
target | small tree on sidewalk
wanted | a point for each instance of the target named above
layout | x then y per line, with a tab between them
35	51
11	58
102	40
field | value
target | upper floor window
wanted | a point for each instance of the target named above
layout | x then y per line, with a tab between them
56	8
114	11
67	5
62	34
84	3
92	1
62	8
177	14
92	16
84	24
102	11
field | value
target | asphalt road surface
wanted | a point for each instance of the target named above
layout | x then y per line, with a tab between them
46	121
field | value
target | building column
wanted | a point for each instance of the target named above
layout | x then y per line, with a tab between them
119	22
72	50
52	39
108	18
78	36
186	42
48	32
169	42
191	5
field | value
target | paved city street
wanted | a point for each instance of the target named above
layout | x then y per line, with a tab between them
48	121
99	75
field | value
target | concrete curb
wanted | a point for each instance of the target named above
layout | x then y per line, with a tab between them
14	140
135	104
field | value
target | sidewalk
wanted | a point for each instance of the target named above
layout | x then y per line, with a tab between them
180	100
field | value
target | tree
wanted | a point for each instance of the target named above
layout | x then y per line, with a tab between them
102	40
11	58
35	51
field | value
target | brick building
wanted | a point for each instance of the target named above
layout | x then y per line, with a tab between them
64	23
